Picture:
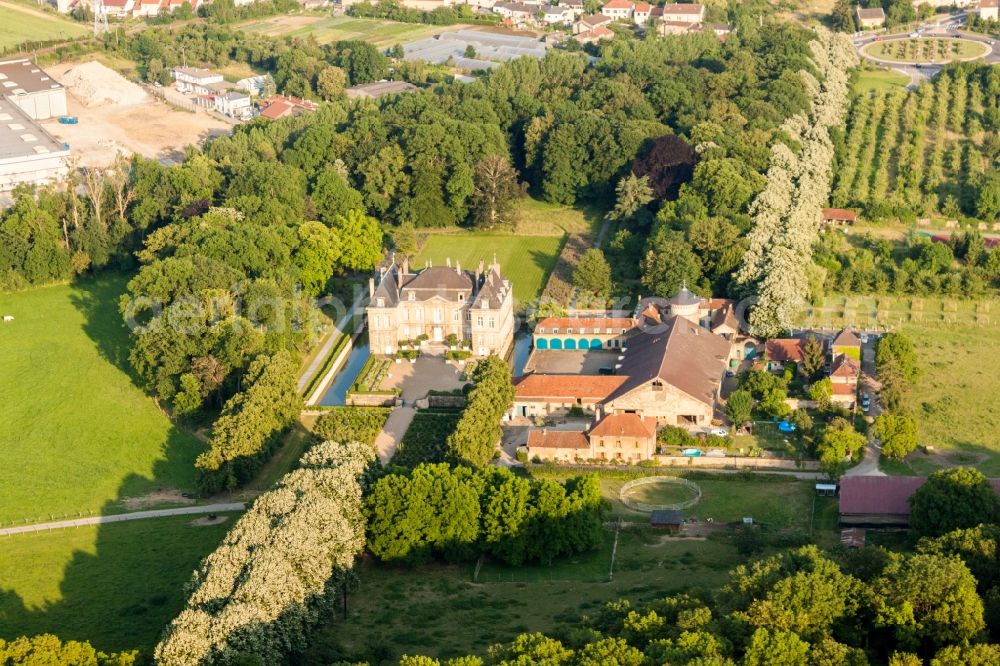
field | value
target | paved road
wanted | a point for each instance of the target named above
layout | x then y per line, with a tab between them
949	28
121	517
392	433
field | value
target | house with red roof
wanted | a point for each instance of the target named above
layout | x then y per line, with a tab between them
618	10
280	106
881	501
625	437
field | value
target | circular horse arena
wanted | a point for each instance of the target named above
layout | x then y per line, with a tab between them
653	493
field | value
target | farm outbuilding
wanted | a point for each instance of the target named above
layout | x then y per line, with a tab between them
666	519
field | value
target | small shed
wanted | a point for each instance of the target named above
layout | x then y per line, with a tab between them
666	519
839	216
826	489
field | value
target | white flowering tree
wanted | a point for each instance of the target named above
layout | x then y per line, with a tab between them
276	571
785	214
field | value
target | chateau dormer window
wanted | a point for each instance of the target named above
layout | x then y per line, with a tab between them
380	302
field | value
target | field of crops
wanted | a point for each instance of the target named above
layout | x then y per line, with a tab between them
922	151
424	440
326	29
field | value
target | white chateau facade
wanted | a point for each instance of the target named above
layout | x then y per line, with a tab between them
477	307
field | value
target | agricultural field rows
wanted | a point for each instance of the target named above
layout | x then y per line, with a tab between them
921	152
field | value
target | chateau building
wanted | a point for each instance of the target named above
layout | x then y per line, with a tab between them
437	302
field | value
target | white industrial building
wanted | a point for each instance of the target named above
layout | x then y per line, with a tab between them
28	153
32	89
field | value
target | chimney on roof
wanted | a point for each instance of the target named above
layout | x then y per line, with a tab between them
430	263
458	267
448	261
406	265
371	287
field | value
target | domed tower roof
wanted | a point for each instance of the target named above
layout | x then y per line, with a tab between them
684	296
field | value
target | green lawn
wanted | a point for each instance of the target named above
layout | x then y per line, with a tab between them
78	434
879	79
22	24
115	585
540	218
925	50
437	610
526	260
776	502
958	342
327	29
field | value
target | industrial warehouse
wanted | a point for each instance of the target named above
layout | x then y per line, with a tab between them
28	153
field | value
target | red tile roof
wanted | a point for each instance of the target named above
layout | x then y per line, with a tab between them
989	3
584	324
882	495
618	4
845	389
624	425
557	439
839	214
643	8
568	387
845	366
846	338
784	349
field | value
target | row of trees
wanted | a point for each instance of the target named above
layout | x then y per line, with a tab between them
48	649
458	513
251	422
280	569
778	260
477	432
942	175
797	608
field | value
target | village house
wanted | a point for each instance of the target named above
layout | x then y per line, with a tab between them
280	106
439	301
641	12
517	14
846	343
197	80
778	352
836	216
869	18
589	23
574	6
596	35
844	374
618	10
234	105
683	13
666	28
626	437
989	10
554	14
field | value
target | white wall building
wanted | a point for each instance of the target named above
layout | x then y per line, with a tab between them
235	105
28	154
30	88
195	79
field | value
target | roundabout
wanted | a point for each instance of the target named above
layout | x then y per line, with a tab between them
925	50
653	493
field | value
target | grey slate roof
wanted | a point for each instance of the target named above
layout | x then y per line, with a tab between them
684	355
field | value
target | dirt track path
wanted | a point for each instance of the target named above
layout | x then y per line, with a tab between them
121	517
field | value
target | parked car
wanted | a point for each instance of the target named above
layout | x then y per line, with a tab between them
864	338
718	432
730	373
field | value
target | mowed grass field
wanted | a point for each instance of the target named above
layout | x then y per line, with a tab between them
24	24
78	434
879	79
324	29
958	342
115	585
930	49
525	260
954	398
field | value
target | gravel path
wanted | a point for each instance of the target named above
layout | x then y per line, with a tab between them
121	517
